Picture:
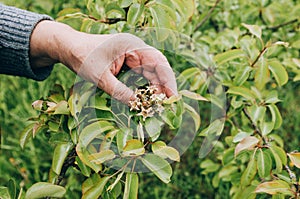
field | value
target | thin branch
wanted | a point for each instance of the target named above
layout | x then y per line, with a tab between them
258	56
282	25
208	15
257	130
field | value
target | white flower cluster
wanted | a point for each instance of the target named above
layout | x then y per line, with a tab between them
147	102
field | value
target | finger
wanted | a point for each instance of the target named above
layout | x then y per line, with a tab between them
111	85
167	79
154	61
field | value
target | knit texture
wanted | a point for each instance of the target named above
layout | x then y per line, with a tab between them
16	26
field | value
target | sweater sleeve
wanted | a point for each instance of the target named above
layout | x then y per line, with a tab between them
16	26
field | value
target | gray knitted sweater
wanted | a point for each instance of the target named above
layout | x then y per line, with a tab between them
16	27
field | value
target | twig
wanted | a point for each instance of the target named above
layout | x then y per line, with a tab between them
208	15
107	20
258	56
282	25
291	174
257	130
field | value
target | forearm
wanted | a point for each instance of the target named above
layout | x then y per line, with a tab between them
16	27
53	42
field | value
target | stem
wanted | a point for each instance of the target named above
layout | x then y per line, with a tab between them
259	56
291	174
274	28
256	129
208	15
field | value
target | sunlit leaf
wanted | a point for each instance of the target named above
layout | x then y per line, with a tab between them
246	144
133	148
242	91
295	158
194	114
96	190
131	186
279	72
192	95
102	156
276	115
229	55
249	172
26	134
157	165
262	75
161	21
253	29
134	13
264	163
166	152
153	127
60	153
45	189
274	187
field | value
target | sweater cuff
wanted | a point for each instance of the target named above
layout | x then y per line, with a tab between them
16	27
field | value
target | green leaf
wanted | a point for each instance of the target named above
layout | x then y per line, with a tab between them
279	72
262	75
60	153
242	75
85	170
264	163
277	160
83	154
112	186
125	3
228	156
12	189
280	152
253	29
61	108
133	148
242	91
111	9
102	156
194	114
96	190
256	112
131	186
275	187
192	95
140	132
249	173
166	152
160	167
295	158
153	127
276	116
122	137
209	166
246	144
161	21
26	134
45	189
4	193
134	13
93	130
229	55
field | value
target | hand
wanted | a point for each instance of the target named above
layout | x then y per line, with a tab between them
99	58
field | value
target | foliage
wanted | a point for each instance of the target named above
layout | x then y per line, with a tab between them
243	57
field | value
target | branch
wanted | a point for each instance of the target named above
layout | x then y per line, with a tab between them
274	28
208	15
258	56
256	129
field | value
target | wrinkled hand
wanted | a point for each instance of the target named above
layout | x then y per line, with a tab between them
99	58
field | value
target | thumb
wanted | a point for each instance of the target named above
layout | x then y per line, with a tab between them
115	88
